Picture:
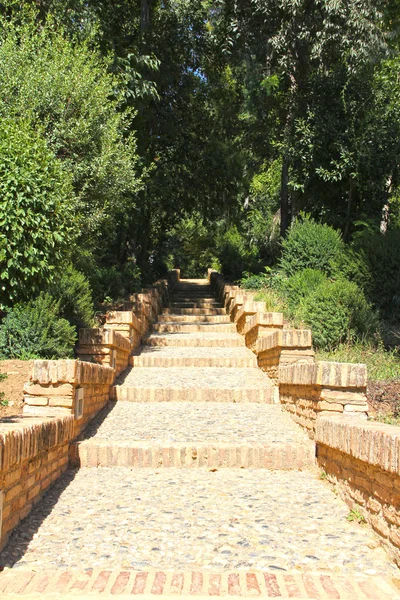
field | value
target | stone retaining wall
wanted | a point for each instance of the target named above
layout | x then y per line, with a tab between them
363	460
34	453
105	347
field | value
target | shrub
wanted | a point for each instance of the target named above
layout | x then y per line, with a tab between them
299	286
254	282
381	255
235	253
36	223
35	330
74	295
311	245
338	312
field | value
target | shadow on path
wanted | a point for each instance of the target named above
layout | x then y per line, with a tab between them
26	530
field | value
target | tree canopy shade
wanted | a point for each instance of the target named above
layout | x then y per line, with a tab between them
205	125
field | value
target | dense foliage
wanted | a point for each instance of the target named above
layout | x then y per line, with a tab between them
136	136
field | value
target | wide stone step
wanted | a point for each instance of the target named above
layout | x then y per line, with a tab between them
188	435
284	526
175	356
194	311
208	339
197	304
180	327
194	319
154	384
200	584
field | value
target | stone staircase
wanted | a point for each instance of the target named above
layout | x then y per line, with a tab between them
193	483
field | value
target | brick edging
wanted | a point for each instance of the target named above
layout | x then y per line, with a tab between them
202	584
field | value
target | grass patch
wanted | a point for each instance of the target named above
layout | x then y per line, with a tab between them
382	365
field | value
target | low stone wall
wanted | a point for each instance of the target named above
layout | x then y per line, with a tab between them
283	347
311	390
34	453
362	459
68	387
259	325
105	347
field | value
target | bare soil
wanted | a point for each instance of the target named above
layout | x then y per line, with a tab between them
17	372
384	398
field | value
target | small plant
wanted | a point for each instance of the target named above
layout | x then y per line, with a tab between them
3	401
355	515
323	475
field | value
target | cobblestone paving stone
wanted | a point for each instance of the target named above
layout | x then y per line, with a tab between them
175	519
195	422
210	377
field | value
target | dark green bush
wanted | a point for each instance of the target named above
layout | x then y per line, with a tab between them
254	282
338	312
235	254
72	291
381	257
311	245
35	330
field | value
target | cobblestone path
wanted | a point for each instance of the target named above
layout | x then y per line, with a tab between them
194	484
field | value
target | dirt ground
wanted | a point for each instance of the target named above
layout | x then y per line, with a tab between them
17	372
384	397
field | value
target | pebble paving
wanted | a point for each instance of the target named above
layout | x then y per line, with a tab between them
210	377
195	422
175	519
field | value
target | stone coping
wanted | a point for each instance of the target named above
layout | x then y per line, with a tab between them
325	373
374	443
119	317
104	337
284	338
24	437
75	372
264	319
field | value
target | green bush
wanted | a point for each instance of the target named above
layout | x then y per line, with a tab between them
35	330
254	282
36	215
72	291
300	285
311	245
338	312
235	253
381	255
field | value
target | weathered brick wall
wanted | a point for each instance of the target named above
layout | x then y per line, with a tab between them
105	347
362	459
260	325
311	390
283	347
55	386
34	453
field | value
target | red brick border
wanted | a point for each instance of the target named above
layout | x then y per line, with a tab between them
205	584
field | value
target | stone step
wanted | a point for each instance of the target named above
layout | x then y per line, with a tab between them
189	435
194	319
196	340
175	356
154	384
181	327
201	584
194	311
196	304
192	298
285	526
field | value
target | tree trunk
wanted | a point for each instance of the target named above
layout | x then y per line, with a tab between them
284	196
349	207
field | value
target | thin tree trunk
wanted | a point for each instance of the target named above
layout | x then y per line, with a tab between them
284	196
349	207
